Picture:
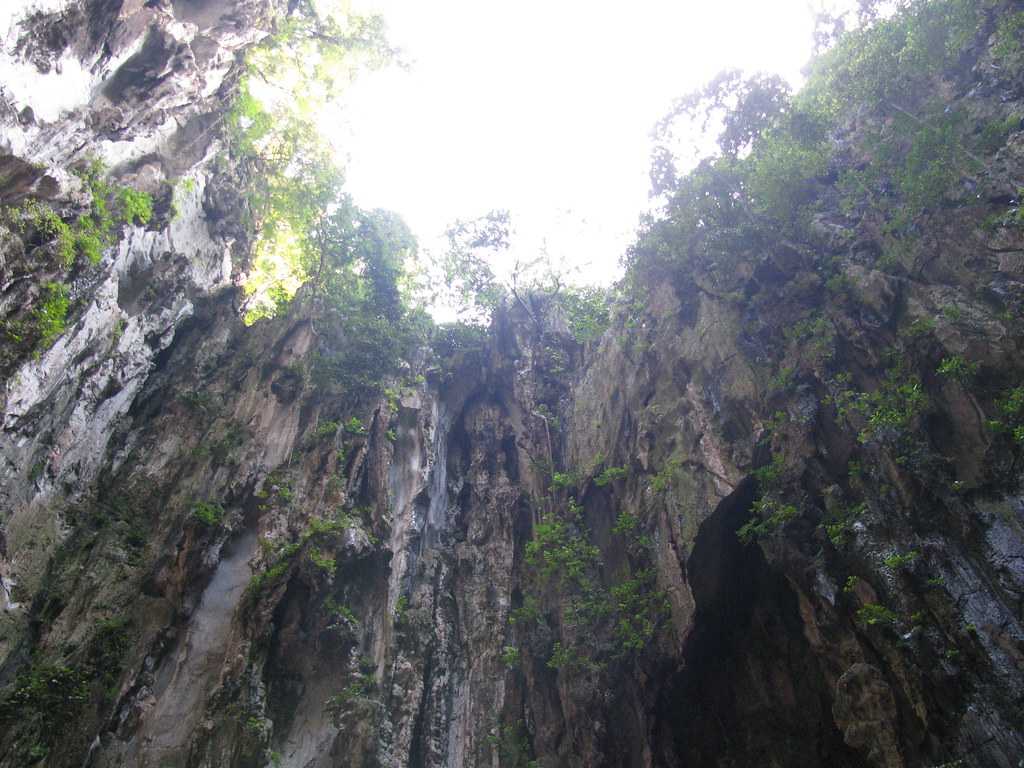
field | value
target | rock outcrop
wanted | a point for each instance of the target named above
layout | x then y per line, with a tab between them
522	551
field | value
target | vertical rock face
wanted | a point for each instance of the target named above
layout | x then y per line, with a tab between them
524	553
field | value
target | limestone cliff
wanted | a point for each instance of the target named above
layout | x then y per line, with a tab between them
770	516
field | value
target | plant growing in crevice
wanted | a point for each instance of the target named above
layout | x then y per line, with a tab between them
341	616
957	368
610	475
325	430
875	614
769	516
510	656
50	316
209	514
900	560
839	522
354	426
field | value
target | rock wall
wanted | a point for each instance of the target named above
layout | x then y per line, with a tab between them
209	559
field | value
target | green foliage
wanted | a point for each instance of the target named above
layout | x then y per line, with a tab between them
1011	408
610	475
891	407
770	475
342	617
136	207
354	693
563	480
932	163
89	241
707	224
106	651
898	560
564	657
561	558
561	551
467	275
272	576
587	310
995	133
510	656
326	429
554	360
893	60
1012	404
744	107
874	614
890	410
626	524
50	316
1008	36
367	325
401	606
513	747
450	339
953	313
921	326
309	232
838	284
637	608
371	348
209	514
200	401
776	153
851	584
109	208
324	562
815	336
528	613
770	515
354	426
780	169
94	231
839	524
663	479
51	227
47	696
773	424
233	435
923	156
784	380
955	367
291	79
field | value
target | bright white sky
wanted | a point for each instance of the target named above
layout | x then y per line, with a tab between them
545	108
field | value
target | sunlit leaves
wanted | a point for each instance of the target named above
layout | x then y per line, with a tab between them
893	60
465	272
292	81
735	107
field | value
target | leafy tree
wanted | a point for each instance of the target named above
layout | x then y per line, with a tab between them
775	151
291	81
467	279
739	108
